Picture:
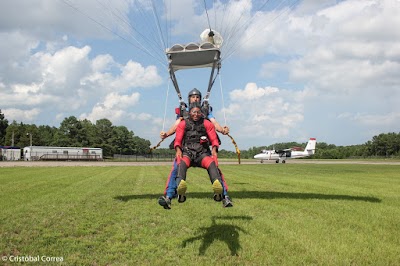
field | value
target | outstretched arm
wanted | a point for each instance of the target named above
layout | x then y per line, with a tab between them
223	130
171	131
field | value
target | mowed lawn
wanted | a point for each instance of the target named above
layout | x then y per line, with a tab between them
283	214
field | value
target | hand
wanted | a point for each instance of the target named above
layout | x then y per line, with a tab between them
178	153
225	130
163	135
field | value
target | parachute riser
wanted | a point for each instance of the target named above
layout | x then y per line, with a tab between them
194	55
175	83
217	64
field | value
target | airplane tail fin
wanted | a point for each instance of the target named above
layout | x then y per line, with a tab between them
310	148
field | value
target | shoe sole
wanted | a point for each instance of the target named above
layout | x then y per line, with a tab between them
217	187
162	201
217	197
227	205
181	191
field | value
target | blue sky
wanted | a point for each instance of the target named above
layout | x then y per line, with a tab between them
315	68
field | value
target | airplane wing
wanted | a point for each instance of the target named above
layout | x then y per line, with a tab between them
283	150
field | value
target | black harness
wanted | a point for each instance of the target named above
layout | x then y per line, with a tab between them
195	143
184	113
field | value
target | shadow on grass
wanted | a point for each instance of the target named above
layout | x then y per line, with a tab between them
224	232
258	195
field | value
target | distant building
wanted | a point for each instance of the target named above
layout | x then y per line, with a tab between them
10	153
44	153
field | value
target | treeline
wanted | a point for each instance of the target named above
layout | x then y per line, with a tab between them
384	145
74	133
119	140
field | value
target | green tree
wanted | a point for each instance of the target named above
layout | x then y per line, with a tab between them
47	136
3	128
141	145
122	140
70	132
14	130
104	131
22	134
89	131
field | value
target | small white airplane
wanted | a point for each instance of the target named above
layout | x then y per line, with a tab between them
283	155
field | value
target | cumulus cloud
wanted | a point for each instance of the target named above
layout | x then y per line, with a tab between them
375	120
252	92
69	79
113	107
269	112
21	115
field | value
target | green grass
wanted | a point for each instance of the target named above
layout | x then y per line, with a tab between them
284	214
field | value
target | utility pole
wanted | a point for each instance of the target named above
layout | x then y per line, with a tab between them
30	140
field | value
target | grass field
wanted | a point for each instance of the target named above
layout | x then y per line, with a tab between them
283	214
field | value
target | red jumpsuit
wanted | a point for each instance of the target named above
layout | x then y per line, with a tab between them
195	153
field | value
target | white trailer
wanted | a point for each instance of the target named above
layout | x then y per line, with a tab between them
9	153
35	153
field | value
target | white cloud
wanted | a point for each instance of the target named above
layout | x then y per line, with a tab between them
268	112
375	120
252	92
20	114
114	100
67	80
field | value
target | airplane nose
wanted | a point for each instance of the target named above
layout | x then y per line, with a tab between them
257	156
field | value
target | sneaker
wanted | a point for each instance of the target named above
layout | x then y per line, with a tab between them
217	197
226	202
217	187
165	202
181	191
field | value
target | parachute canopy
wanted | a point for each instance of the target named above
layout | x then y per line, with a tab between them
193	55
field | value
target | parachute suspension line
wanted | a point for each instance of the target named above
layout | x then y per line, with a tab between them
157	20
230	53
149	24
164	119
222	99
224	112
215	16
222	29
212	79
168	23
208	18
165	107
240	26
126	25
115	13
231	31
140	47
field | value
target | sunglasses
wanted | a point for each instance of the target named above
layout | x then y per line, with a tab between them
195	112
